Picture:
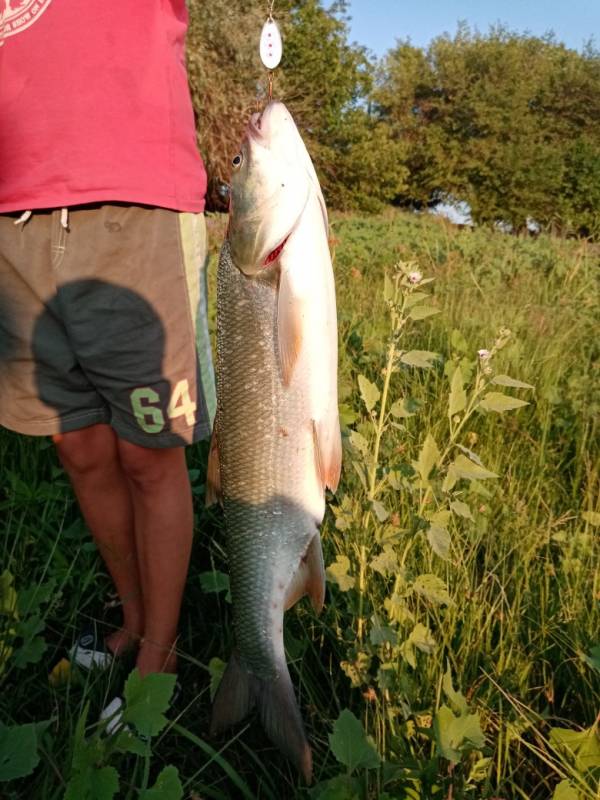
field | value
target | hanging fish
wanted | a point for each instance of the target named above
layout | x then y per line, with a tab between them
276	445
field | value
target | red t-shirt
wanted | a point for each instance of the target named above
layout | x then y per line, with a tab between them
95	105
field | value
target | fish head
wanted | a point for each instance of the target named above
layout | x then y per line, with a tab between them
270	185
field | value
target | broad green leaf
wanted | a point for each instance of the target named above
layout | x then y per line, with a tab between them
18	751
35	595
86	752
8	596
433	589
358	441
505	380
33	646
462	509
422	638
387	675
428	457
456	736
566	791
104	783
350	744
422	312
380	510
215	582
458	341
397	609
357	670
343	787
216	668
93	783
361	472
498	402
593	517
30	652
419	358
167	786
386	562
415	298
480	770
402	408
450	480
439	539
479	489
457	699
348	415
369	392
127	742
582	746
381	634
338	573
458	397
441	517
593	659
407	651
465	468
146	700
388	288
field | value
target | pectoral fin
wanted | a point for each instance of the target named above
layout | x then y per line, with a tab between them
289	327
328	451
213	473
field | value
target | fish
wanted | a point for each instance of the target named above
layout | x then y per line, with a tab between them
276	444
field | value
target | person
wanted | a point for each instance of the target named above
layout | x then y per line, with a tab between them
103	335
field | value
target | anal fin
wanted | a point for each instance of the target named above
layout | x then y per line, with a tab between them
309	578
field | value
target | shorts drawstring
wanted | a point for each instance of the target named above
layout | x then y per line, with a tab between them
64	218
23	218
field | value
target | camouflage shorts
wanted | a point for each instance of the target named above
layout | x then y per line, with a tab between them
103	320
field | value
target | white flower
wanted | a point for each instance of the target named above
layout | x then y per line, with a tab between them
415	277
483	354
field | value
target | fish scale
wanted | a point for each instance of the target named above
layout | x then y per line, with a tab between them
264	444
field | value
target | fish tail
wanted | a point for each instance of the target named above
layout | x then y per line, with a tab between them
238	693
235	697
281	719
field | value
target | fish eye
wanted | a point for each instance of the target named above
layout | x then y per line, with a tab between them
238	161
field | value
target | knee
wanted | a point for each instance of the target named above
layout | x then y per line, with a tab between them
146	466
87	450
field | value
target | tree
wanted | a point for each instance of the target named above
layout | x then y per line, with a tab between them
324	80
508	123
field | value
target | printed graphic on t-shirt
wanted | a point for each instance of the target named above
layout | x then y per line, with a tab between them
18	15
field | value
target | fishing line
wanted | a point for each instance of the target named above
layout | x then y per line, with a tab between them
271	46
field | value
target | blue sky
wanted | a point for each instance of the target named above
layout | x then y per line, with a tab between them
378	23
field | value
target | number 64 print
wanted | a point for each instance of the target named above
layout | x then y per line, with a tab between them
149	415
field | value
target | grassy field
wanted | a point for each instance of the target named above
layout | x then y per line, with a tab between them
458	655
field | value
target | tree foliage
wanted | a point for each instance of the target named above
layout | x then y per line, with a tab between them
323	79
510	123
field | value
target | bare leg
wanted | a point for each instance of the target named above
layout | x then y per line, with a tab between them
162	503
91	458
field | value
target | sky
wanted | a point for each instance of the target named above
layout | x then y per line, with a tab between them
379	23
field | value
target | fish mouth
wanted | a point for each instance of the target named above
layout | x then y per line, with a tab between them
254	127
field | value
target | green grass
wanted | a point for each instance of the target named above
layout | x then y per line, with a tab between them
521	618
